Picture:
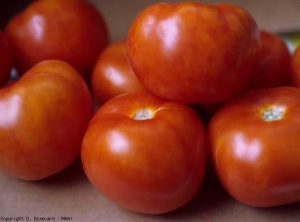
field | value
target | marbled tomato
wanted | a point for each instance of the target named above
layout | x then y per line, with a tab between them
193	52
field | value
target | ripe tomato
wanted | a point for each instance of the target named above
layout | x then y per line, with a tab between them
43	118
254	146
295	67
273	68
193	52
71	30
5	59
144	153
112	74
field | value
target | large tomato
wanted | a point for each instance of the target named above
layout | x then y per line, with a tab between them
254	146
70	30
273	67
43	118
6	61
193	52
145	153
112	75
295	67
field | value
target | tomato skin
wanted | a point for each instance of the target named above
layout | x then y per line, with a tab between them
71	30
43	117
258	161
112	75
5	59
148	166
295	67
177	53
273	67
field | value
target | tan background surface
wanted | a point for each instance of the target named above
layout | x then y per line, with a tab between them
70	194
272	15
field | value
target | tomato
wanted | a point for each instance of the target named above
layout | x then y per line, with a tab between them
71	30
5	59
43	118
273	68
254	146
144	153
112	74
193	52
295	67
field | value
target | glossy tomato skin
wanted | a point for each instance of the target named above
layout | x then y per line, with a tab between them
43	117
295	67
257	161
112	75
71	30
273	67
193	52
5	59
150	166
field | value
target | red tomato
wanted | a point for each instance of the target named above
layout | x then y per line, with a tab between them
273	68
193	52
5	59
71	30
112	74
254	146
295	67
43	118
144	153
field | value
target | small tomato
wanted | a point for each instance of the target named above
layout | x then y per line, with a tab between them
112	75
295	67
273	67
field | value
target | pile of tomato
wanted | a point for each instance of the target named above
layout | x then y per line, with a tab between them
192	85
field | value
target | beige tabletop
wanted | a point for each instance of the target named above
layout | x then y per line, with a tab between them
70	195
272	15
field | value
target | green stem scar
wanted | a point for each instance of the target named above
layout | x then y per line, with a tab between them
272	114
143	114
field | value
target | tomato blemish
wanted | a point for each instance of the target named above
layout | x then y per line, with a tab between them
272	114
143	114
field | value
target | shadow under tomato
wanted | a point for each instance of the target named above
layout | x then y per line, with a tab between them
210	197
284	212
72	175
213	201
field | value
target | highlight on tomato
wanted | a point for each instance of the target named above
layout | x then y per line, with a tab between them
112	75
